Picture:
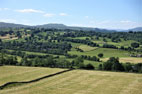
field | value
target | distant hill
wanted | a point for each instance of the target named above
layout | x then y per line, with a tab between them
56	26
136	29
62	26
12	25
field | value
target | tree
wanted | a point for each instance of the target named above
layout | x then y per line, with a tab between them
135	45
2	59
78	62
137	67
49	62
36	62
100	55
100	67
117	67
89	67
25	62
127	67
108	65
63	63
104	40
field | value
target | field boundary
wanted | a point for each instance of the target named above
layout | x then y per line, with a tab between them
9	84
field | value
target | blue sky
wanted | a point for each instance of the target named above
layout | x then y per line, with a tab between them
110	14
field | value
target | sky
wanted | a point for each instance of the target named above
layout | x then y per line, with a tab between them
109	14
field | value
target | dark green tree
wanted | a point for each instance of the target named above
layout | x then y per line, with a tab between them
135	45
100	55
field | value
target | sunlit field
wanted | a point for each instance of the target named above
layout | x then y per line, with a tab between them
73	82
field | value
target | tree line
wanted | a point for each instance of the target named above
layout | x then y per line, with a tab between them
112	64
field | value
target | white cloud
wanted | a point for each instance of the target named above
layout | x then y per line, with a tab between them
124	24
126	21
63	14
79	25
49	15
108	24
4	9
30	11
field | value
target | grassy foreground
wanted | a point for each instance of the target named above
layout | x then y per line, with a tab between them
74	82
17	73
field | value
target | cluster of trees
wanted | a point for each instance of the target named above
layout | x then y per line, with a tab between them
83	41
132	48
110	46
114	36
135	45
36	62
44	47
8	60
46	62
61	47
4	33
113	64
80	33
93	58
23	54
49	61
41	62
15	32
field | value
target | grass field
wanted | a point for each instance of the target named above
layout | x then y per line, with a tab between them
128	59
78	82
13	73
81	37
106	51
87	48
8	37
119	44
75	44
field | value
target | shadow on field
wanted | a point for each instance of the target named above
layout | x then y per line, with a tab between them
12	84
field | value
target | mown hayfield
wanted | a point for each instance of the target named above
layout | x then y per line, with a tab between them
108	52
81	37
83	82
128	59
17	73
131	59
8	37
87	48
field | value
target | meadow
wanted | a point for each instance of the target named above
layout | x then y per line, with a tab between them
108	52
127	59
73	82
17	73
87	48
